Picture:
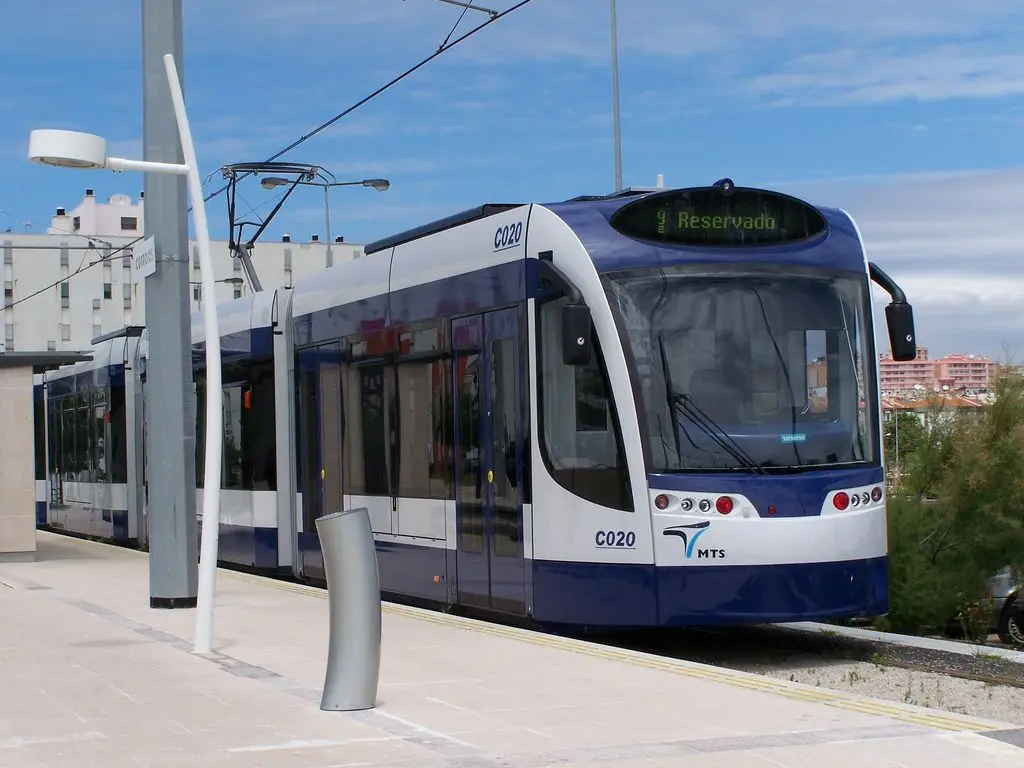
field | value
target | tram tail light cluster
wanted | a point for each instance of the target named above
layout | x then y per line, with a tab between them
844	500
723	505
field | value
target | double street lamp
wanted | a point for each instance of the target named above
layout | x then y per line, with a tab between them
279	174
237	282
272	182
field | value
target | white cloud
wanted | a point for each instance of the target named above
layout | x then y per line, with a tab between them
953	241
871	75
877	51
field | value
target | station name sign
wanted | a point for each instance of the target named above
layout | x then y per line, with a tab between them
144	258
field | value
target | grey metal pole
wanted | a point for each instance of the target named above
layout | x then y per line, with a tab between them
173	556
615	101
353	597
327	216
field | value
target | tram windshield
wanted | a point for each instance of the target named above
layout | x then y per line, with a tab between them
750	368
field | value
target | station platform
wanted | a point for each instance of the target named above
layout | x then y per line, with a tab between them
91	676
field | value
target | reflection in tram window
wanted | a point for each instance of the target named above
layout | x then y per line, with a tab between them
470	471
507	526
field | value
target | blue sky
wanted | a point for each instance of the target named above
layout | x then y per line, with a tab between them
906	112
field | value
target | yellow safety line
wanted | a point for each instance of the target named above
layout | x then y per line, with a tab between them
736	679
662	664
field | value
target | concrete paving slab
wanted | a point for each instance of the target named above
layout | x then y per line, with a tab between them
90	675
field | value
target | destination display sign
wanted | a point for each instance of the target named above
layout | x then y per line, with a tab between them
711	216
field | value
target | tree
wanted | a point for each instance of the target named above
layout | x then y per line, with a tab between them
903	435
982	490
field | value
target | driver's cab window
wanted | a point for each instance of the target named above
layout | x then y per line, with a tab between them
582	443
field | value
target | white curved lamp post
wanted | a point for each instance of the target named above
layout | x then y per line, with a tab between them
70	149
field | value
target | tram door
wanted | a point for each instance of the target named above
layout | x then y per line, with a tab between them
489	471
320	447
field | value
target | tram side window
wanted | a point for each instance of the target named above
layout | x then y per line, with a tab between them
369	394
233	469
55	437
101	447
199	403
249	457
87	441
69	461
424	454
86	438
117	454
260	427
233	472
39	420
582	442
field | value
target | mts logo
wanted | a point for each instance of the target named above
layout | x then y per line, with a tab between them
711	554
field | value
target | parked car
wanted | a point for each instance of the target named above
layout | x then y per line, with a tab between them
1005	598
1007	606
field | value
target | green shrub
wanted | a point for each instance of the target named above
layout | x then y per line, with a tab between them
958	516
924	586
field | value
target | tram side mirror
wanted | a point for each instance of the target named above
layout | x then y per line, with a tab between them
899	317
576	334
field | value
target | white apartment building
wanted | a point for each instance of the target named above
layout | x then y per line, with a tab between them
62	289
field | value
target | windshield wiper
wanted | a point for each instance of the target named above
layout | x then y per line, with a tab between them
670	393
708	426
684	403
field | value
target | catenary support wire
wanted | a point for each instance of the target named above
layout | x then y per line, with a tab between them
324	126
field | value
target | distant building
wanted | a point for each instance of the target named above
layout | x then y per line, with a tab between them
955	373
817	384
968	372
62	289
933	408
120	215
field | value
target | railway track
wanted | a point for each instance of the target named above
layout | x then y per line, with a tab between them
765	648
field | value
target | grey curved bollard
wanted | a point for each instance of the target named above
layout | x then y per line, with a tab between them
353	595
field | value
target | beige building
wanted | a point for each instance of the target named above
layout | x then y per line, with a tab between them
76	281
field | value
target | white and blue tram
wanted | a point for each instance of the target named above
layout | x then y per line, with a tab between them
655	408
85	475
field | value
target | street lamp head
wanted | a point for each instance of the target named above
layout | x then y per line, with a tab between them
71	149
67	149
270	182
273	181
